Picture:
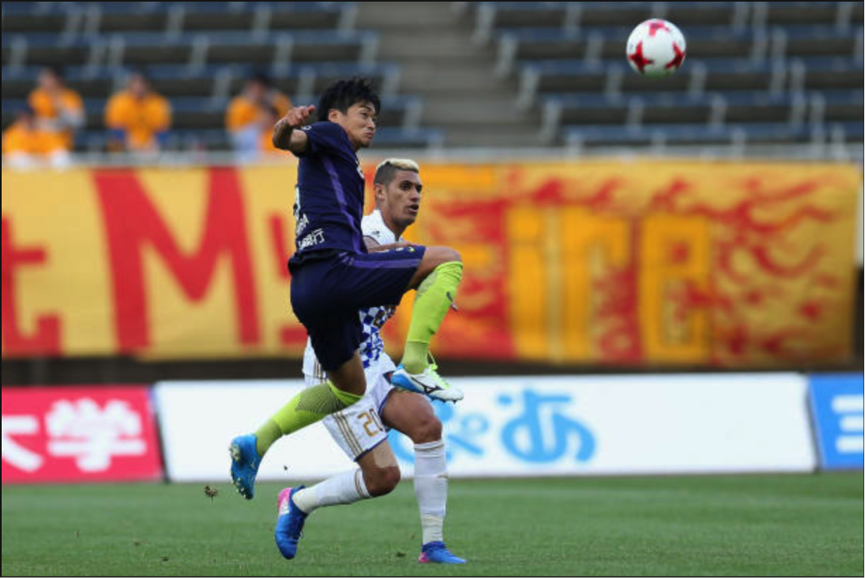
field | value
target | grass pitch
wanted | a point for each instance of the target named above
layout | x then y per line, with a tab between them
798	525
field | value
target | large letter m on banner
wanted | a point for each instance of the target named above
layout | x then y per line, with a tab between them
133	222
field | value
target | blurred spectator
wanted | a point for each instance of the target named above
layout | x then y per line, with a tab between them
250	116
265	135
137	118
26	145
58	109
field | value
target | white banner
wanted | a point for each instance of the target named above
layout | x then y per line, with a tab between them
198	419
525	426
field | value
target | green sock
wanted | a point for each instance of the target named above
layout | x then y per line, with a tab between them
266	435
309	406
434	297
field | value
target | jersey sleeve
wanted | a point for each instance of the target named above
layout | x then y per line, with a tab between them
73	101
373	227
161	115
235	116
282	104
324	138
40	104
116	112
13	141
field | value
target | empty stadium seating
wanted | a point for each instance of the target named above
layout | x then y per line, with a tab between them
198	55
756	71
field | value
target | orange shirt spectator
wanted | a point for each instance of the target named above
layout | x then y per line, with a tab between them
265	137
249	118
243	111
249	107
26	145
138	118
265	142
58	109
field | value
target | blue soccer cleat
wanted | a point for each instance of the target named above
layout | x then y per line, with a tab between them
438	553
244	464
289	524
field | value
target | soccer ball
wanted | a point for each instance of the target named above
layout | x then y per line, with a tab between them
656	48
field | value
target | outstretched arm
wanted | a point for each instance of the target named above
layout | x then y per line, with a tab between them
285	137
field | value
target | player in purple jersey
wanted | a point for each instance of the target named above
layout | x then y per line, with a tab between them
361	429
333	276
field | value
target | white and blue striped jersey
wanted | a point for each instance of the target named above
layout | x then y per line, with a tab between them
372	319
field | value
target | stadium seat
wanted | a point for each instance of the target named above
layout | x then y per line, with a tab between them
198	55
598	43
38	16
750	65
96	82
95	17
785	62
138	48
205	112
727	134
48	48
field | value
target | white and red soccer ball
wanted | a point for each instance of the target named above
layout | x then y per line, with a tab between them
656	48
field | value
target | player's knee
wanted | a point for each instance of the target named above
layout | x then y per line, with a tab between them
382	481
356	388
428	429
449	255
441	255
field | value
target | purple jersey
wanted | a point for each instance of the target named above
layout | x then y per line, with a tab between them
328	203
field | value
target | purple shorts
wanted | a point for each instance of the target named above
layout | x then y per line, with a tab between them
328	290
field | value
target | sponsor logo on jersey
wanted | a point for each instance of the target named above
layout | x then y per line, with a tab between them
311	240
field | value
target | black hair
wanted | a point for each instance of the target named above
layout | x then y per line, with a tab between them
343	94
54	69
260	78
138	72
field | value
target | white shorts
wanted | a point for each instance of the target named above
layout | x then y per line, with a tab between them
358	428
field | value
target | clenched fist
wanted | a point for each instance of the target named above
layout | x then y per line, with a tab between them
297	116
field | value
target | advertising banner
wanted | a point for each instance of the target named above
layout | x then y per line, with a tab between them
199	452
596	262
526	426
79	434
836	411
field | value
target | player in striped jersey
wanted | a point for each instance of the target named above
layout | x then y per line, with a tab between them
361	429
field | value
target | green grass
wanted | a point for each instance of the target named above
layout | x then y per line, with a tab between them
798	525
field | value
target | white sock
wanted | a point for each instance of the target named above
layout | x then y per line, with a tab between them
431	488
344	488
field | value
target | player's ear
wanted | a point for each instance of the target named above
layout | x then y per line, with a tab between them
333	115
378	190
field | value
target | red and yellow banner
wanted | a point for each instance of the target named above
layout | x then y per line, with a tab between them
645	263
